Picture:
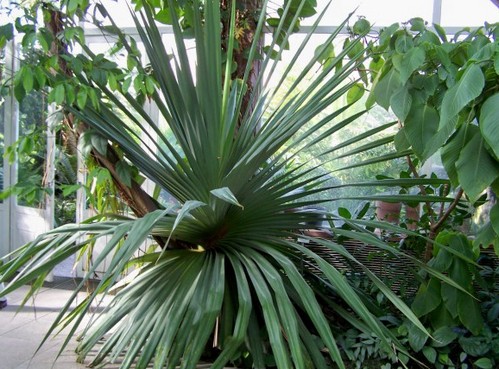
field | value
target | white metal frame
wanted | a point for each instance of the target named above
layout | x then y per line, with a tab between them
21	224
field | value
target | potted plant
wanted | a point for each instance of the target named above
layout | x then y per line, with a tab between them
227	256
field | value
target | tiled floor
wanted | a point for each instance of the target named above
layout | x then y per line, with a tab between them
22	331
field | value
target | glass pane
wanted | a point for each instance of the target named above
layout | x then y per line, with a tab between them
118	10
32	145
380	12
327	167
462	13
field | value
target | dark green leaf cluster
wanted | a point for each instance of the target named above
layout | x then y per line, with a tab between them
444	92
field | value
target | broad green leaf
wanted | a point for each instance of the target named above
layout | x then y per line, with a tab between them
404	43
417	338
430	353
113	83
484	53
470	314
126	85
374	67
473	346
70	94
99	143
226	195
494	218
489	123
417	24
72	6
476	169
439	139
6	34
484	363
400	141
27	76
324	55
59	94
386	87
150	85
450	297
400	102
361	27
81	98
355	93
409	62
40	77
131	62
344	213
93	98
70	189
420	126
427	299
443	336
354	51
441	32
468	88
487	236
124	171
451	151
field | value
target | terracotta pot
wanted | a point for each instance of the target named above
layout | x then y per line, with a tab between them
412	217
388	211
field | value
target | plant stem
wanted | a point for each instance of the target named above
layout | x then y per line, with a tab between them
434	229
415	173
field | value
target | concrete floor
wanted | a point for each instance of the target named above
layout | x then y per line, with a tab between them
21	332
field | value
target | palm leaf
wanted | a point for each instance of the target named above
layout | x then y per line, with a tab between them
234	282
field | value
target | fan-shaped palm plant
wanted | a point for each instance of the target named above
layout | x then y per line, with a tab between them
227	271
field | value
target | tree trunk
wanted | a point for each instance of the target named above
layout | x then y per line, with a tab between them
247	13
134	196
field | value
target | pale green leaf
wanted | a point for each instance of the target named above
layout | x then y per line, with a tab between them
409	62
468	88
400	141
400	102
226	195
441	32
452	150
420	126
81	98
59	94
404	43
489	123
185	211
27	79
355	93
476	169
386	87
